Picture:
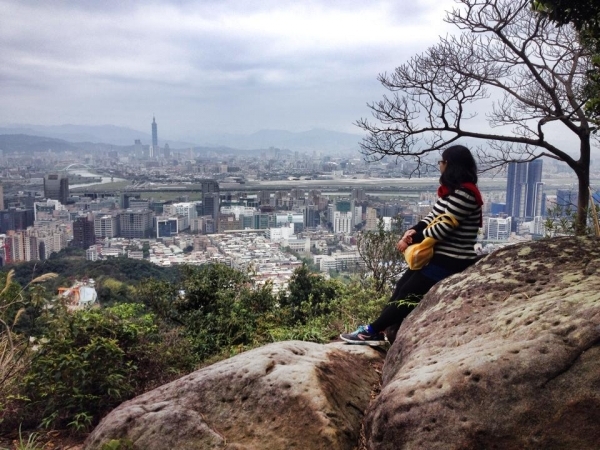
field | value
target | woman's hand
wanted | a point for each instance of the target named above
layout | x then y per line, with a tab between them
405	241
401	245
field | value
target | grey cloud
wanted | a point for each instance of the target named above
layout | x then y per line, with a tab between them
117	62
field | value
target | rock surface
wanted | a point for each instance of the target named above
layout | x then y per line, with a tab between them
282	396
505	355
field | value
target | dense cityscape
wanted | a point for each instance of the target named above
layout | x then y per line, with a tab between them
263	210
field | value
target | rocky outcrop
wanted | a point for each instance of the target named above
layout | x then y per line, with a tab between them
282	396
505	355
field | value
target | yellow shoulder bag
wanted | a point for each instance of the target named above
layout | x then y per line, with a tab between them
418	255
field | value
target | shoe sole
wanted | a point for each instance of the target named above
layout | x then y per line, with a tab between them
369	343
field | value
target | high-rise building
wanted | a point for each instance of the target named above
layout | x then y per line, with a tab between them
535	189
342	222
1	197
371	219
566	200
106	226
138	148
136	224
83	233
210	199
16	219
56	187
154	133
312	216
524	190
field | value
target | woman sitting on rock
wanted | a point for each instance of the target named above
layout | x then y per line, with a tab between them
453	252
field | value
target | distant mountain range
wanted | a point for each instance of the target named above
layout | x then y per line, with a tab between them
312	140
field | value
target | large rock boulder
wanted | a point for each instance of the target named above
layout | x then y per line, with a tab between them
505	355
282	396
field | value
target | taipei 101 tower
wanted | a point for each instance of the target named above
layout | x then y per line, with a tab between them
154	133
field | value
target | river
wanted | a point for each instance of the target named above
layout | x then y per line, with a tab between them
87	173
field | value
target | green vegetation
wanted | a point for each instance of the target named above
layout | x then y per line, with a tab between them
31	443
70	264
65	369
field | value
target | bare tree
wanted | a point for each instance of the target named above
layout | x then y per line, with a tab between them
377	248
534	70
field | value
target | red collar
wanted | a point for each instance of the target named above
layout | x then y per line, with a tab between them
471	187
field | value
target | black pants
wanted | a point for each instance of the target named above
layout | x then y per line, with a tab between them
411	286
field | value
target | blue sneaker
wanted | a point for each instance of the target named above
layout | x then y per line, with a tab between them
362	337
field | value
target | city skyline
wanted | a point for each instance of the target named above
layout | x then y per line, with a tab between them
206	67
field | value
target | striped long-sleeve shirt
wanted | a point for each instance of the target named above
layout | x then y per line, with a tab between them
453	242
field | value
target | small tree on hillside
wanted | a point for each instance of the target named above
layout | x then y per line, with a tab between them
536	71
378	251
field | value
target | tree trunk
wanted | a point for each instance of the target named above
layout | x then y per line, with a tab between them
583	177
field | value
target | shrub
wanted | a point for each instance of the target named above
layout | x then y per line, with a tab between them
309	295
218	307
89	361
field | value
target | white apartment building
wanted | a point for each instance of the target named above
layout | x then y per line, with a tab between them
387	224
325	263
338	261
342	222
238	211
46	208
280	234
91	254
106	226
498	229
297	245
187	209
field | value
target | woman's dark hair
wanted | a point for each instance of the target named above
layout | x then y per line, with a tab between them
460	167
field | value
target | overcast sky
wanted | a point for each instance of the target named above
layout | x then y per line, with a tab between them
205	66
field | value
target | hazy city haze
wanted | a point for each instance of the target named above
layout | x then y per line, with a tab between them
208	67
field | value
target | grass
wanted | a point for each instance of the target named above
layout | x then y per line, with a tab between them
30	444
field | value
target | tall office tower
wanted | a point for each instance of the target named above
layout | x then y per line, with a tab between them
524	190
312	216
210	199
154	133
16	219
535	189
138	148
83	233
210	205
567	200
1	197
56	187
167	151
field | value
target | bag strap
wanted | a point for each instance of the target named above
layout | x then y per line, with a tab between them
446	218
